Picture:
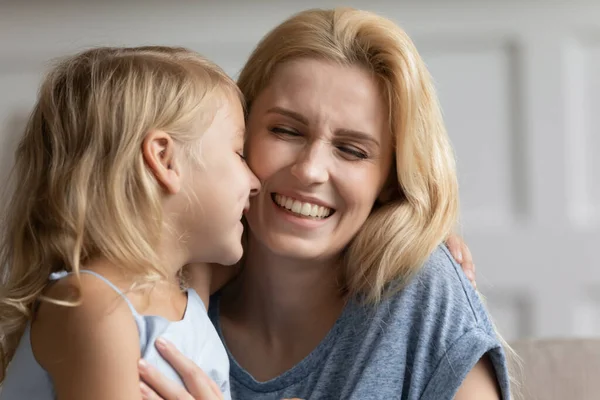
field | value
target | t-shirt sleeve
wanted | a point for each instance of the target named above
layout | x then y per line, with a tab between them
460	358
458	329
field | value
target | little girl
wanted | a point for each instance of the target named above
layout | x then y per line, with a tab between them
131	167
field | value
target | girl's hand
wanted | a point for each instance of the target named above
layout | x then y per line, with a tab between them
461	253
155	386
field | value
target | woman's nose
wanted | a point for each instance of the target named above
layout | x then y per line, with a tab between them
311	166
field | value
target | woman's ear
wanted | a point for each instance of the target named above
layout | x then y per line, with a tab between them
158	150
387	194
391	189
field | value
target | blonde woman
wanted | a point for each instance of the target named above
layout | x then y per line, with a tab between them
346	290
131	167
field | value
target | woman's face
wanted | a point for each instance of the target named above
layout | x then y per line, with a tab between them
318	140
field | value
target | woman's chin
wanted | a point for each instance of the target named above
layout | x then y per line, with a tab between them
298	248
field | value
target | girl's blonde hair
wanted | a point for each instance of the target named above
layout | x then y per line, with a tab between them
420	207
81	186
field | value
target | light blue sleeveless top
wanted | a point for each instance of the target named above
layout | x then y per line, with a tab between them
194	335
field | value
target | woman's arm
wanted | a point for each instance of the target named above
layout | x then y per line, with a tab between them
91	351
480	383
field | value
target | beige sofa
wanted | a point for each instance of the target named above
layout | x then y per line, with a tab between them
560	369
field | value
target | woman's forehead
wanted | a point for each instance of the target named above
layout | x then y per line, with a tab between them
318	88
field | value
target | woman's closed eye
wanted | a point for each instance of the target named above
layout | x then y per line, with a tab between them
352	153
285	132
348	151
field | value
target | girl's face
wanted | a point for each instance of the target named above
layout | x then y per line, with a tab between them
319	141
219	189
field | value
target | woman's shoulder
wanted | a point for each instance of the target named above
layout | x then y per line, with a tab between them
441	288
441	269
436	324
440	304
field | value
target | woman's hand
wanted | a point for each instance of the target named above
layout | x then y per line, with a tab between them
155	386
461	253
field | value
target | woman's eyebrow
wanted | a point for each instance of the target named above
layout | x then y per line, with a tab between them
288	113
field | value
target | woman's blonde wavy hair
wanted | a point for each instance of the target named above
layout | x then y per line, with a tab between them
421	205
81	186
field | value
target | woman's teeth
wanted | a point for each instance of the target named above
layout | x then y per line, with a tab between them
301	208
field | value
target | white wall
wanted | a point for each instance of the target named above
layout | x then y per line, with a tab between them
519	82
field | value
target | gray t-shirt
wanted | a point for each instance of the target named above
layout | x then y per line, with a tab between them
418	344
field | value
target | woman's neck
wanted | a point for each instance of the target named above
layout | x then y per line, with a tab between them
285	301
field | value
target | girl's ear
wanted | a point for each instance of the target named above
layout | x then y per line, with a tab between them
158	150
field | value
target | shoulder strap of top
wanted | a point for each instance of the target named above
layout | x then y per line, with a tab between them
112	286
